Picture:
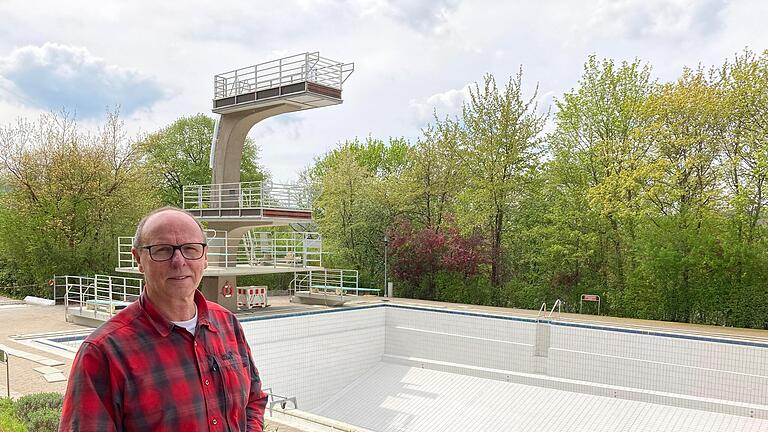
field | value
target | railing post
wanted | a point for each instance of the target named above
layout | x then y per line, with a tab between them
261	194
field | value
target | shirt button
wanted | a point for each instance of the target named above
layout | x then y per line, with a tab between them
206	382
214	421
195	343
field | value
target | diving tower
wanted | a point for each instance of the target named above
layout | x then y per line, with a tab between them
232	209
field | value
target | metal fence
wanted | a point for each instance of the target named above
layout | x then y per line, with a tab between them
102	295
255	249
330	281
246	195
305	67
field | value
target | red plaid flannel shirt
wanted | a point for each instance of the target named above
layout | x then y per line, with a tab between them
140	372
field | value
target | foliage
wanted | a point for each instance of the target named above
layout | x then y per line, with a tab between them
418	255
502	132
358	202
650	194
44	420
71	195
27	407
179	155
8	420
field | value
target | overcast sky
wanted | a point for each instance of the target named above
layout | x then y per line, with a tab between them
157	59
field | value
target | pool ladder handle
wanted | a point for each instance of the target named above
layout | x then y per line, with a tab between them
558	304
275	399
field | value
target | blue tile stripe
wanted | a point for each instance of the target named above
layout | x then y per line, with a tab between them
656	333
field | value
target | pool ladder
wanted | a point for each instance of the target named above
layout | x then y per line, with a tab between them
543	309
275	399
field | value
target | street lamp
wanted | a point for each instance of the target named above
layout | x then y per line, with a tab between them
386	242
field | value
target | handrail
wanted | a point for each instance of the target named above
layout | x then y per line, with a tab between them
329	281
246	195
304	67
558	304
100	293
255	249
543	308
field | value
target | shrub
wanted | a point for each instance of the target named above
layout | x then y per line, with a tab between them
8	420
44	420
27	406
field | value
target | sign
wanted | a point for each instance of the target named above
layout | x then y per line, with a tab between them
226	290
590	298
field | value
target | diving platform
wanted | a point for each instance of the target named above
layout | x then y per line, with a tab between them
247	253
255	203
304	81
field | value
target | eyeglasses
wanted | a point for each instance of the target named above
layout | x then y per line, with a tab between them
164	252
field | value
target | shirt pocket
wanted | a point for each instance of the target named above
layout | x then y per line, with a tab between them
235	372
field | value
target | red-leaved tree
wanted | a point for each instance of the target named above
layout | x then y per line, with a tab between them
419	254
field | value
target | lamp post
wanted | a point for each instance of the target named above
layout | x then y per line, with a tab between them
386	242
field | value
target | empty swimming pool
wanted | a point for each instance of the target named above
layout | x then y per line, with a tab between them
399	367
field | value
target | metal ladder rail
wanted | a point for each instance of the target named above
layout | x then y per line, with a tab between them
558	305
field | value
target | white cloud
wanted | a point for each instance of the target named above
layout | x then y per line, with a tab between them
670	19
447	103
411	57
54	76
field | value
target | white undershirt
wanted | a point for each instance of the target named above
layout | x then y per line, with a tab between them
189	324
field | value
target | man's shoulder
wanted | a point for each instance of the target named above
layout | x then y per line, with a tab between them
218	312
117	326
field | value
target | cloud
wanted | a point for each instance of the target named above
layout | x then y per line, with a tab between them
447	103
676	19
424	16
54	76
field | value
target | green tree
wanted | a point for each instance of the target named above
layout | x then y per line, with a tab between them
686	124
596	177
436	175
179	155
71	195
502	135
358	202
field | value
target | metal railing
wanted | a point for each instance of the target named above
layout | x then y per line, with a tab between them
558	305
542	309
305	67
246	195
255	249
330	281
100	293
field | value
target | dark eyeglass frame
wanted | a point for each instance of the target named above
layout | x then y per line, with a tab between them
178	247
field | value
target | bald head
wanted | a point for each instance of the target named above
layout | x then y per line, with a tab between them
138	239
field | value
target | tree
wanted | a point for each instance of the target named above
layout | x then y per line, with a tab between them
71	195
502	133
597	175
358	201
418	255
179	155
434	179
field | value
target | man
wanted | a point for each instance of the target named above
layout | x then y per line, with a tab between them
170	361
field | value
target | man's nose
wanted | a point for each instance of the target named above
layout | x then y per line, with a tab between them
177	257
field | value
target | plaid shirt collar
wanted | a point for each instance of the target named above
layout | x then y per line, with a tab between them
163	326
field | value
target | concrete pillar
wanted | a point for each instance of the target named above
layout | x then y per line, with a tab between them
212	290
233	128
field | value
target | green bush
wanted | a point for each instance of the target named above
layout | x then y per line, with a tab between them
8	420
44	420
27	406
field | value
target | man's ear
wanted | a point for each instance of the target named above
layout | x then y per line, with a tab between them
137	257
